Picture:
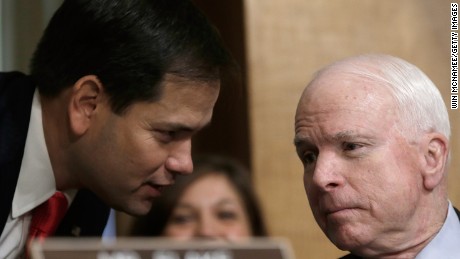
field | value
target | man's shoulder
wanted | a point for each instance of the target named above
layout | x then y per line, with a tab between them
16	84
7	78
11	74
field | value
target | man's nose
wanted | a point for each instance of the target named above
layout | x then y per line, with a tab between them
180	158
327	174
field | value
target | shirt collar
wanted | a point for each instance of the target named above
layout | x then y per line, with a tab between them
36	181
446	243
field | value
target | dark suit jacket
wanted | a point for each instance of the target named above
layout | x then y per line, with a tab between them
87	215
352	256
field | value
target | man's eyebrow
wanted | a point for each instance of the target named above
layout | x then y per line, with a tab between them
186	128
300	141
348	134
297	141
179	127
339	136
351	135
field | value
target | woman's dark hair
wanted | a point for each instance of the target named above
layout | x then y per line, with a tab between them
130	45
154	223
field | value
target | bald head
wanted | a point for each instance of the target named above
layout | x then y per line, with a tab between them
417	99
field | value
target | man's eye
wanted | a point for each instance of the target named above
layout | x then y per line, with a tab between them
166	135
170	133
309	158
351	146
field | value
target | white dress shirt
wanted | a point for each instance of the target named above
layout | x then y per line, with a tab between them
446	244
36	183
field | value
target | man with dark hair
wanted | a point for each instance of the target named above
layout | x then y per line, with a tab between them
117	89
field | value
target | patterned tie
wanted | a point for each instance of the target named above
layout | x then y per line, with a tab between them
46	217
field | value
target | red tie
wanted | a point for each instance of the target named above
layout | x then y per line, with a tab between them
46	217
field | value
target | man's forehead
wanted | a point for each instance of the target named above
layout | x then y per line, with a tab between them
337	79
342	87
353	103
172	79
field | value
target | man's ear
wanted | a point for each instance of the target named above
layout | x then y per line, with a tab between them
85	97
435	157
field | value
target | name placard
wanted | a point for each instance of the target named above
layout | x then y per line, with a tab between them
160	248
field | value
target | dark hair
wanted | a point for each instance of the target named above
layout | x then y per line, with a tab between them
130	45
154	223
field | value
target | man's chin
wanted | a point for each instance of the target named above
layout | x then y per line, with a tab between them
140	209
346	240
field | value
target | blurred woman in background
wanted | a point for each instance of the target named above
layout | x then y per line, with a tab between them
216	201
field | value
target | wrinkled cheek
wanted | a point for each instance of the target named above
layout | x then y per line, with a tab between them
308	186
313	196
315	210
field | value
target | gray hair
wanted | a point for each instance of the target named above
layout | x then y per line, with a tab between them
419	102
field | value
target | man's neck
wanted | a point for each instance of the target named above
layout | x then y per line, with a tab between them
56	131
